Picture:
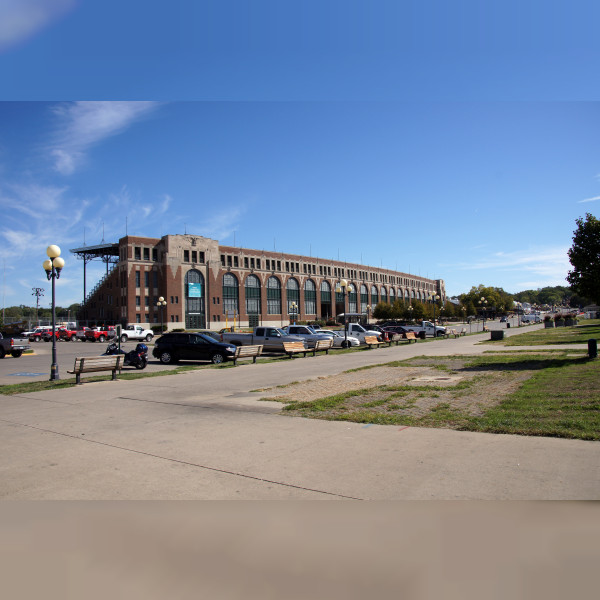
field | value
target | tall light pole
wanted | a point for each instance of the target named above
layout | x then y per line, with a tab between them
368	309
483	304
37	292
294	312
410	311
161	304
53	266
434	299
342	287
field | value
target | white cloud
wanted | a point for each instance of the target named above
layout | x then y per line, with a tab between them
81	125
594	199
221	225
21	19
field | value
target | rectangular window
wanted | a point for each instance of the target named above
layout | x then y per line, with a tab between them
252	263
258	263
235	262
147	301
194	256
137	253
147	278
268	264
245	262
222	260
137	301
137	279
186	256
287	265
155	278
201	257
154	254
279	265
229	261
138	318
146	253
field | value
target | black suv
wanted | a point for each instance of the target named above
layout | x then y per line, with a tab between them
173	347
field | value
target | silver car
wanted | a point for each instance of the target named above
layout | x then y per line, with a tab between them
338	339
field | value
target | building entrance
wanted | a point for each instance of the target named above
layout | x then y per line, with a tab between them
195	310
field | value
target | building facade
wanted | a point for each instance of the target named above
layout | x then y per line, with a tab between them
207	285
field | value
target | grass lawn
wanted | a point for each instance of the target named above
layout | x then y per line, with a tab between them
527	394
579	334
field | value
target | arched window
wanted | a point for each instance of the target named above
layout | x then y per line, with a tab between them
252	295
364	297
325	293
230	295
374	296
293	295
352	307
310	297
383	294
407	295
273	296
392	295
195	316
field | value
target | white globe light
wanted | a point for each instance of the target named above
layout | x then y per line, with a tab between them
47	265
59	263
53	251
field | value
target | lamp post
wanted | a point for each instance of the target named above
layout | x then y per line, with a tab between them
410	311
161	304
434	299
342	287
53	266
483	304
294	312
369	309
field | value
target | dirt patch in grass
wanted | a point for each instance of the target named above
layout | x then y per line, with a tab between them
411	391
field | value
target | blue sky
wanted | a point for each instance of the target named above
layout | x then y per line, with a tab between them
460	144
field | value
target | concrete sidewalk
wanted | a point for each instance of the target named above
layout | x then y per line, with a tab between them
206	435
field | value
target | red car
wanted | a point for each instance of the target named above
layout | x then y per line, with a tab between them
100	334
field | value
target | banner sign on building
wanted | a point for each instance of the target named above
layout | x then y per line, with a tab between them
194	290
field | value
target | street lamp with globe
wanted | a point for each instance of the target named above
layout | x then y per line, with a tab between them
53	266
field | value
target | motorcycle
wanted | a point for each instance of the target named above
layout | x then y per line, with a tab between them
137	358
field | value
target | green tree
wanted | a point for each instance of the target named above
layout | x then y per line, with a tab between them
382	311
584	256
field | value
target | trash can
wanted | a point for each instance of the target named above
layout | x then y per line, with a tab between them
497	334
422	335
507	325
593	348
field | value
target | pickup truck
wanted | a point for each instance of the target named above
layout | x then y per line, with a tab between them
136	332
358	331
270	338
306	333
100	334
428	328
13	346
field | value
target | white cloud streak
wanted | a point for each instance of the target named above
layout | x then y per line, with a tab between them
82	125
594	199
22	19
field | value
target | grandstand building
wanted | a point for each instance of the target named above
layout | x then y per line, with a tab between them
206	285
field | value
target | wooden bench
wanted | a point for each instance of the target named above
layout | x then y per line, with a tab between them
95	364
371	340
410	336
396	338
450	332
252	352
486	328
291	348
322	345
463	331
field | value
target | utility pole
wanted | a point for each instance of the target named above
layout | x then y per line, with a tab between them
37	292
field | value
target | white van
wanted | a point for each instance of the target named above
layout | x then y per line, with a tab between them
531	319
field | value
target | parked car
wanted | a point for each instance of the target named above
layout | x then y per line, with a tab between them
338	338
175	346
308	334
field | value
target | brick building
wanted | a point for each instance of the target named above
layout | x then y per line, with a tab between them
206	284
